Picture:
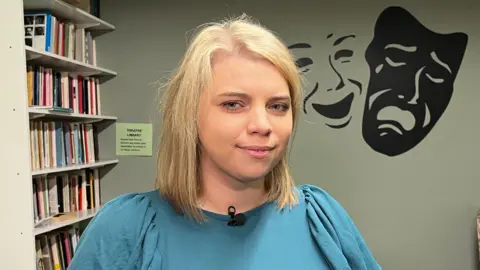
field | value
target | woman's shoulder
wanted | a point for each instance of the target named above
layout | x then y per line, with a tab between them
322	208
116	231
334	230
127	205
316	197
125	213
318	200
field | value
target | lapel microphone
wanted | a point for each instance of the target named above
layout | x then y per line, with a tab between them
235	219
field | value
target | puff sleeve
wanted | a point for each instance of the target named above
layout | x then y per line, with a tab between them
335	233
122	235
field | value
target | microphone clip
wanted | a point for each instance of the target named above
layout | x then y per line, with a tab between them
235	219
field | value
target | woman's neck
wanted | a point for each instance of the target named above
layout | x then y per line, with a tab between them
219	191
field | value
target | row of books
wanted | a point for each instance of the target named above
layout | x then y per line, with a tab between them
55	144
64	193
50	88
55	250
45	32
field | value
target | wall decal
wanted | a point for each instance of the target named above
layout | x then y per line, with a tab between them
342	92
412	73
302	62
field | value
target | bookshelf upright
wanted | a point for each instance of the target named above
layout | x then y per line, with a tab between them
50	109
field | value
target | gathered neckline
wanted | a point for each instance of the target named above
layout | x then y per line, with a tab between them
224	217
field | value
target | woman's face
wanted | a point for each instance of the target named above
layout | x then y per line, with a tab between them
245	118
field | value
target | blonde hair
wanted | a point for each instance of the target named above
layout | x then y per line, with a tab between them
178	169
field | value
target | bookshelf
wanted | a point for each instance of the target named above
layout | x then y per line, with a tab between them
62	9
66	64
39	112
51	109
97	164
71	218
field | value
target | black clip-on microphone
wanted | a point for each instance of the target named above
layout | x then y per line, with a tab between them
235	219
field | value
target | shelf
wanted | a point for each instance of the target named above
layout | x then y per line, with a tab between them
72	1
64	220
52	60
74	167
68	12
36	113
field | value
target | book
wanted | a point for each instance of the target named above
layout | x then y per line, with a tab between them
52	89
45	32
59	198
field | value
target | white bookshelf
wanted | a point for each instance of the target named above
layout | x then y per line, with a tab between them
67	64
17	202
96	164
73	218
76	15
77	117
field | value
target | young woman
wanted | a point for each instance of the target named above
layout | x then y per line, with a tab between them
225	198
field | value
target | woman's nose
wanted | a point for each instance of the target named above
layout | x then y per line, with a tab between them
259	122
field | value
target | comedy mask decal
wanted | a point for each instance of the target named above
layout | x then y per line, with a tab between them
331	99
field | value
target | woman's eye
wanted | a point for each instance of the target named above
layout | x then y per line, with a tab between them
280	107
231	105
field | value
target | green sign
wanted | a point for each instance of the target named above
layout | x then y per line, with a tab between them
134	139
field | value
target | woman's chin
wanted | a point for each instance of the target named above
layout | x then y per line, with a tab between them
252	175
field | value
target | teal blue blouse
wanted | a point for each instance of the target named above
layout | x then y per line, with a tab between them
142	231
